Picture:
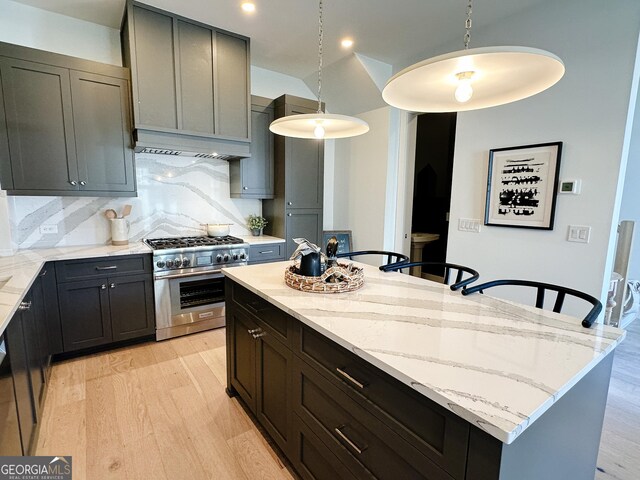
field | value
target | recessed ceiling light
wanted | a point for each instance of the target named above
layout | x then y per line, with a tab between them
249	7
347	43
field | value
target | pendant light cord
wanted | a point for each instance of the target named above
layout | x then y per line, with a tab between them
467	26
320	36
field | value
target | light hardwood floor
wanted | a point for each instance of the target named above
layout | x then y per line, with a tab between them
619	457
154	411
159	411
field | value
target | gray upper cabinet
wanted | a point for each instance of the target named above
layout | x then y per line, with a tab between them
65	126
253	177
190	83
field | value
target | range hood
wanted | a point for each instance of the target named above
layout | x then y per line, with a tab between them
169	143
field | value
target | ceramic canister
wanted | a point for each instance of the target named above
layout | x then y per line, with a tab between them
120	231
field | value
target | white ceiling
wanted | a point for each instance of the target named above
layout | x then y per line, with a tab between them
284	32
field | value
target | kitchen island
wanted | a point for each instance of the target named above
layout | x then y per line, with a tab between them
406	379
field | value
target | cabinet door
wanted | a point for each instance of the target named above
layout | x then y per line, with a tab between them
40	126
232	86
20	370
302	223
242	352
131	306
304	169
274	378
257	170
10	442
154	72
195	49
102	128
84	313
36	338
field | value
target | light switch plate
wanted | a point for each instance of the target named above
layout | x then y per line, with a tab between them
49	228
469	225
579	234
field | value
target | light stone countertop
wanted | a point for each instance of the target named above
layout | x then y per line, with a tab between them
261	239
21	269
497	364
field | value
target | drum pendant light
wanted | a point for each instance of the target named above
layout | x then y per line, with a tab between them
472	79
319	125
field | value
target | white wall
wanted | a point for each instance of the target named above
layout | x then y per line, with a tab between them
36	28
587	110
360	183
270	84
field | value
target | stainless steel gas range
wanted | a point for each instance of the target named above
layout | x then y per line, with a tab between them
188	284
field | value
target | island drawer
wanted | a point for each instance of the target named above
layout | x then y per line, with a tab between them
73	270
366	445
435	432
312	459
266	252
275	319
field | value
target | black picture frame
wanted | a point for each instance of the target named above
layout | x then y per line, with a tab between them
344	240
522	186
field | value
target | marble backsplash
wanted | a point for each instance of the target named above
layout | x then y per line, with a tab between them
175	196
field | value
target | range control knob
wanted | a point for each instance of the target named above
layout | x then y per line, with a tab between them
186	262
235	256
243	256
218	258
226	257
177	262
160	264
169	263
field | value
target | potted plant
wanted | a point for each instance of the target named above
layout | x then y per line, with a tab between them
256	223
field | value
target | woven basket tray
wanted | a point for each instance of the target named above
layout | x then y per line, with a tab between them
352	279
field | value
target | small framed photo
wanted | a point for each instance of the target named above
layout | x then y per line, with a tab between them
522	186
344	240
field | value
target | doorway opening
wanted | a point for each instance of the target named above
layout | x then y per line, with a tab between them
433	174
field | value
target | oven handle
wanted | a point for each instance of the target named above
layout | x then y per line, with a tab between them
189	274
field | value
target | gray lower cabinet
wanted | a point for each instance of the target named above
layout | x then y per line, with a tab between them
296	209
253	177
27	346
66	127
105	307
190	83
334	415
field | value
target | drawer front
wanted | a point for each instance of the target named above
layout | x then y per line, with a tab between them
275	319
359	439
435	432
312	459
267	252
72	270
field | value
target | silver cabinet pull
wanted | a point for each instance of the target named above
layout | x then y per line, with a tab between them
83	183
24	306
245	188
289	203
258	335
103	287
73	182
112	285
265	252
350	378
254	330
111	267
43	273
288	214
349	442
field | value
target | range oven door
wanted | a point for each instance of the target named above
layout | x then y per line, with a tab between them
190	299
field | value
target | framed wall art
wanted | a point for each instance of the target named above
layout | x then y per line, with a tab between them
344	240
522	186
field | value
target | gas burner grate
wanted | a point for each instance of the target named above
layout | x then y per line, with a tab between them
186	242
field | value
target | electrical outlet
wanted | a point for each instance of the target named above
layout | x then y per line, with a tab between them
49	228
469	225
579	234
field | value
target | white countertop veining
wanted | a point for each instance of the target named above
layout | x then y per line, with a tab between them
20	270
261	239
497	364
